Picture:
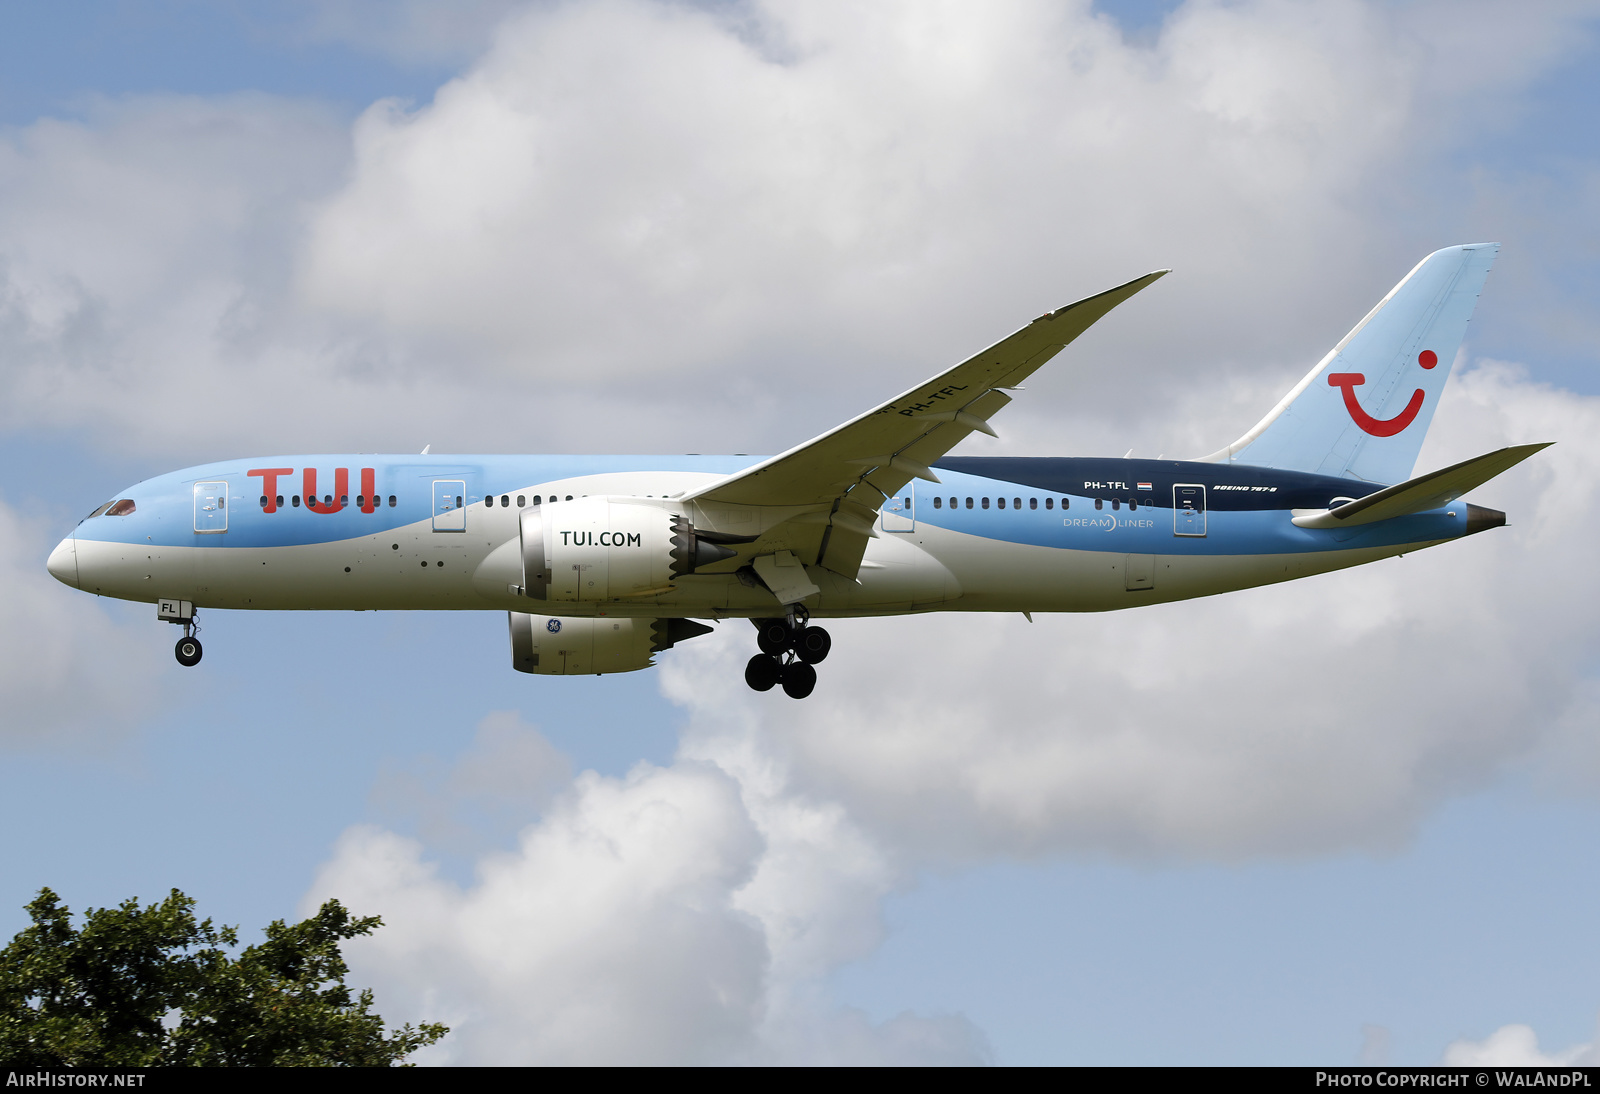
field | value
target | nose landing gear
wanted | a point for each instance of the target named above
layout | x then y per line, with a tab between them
188	650
789	649
182	612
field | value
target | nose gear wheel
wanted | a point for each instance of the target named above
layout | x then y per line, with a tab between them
188	651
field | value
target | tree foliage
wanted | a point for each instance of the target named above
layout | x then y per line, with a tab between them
151	987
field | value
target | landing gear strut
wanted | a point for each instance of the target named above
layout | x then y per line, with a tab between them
789	648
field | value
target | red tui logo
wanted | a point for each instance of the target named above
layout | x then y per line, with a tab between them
1347	382
331	503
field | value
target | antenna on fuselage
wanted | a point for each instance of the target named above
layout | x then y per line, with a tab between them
425	449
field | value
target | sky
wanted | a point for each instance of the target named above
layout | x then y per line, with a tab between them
1351	819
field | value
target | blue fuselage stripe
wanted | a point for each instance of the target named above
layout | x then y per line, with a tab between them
1246	509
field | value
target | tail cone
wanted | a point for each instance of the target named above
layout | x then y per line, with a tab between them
1480	519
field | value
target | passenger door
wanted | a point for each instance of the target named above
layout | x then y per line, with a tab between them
1188	509
449	505
899	514
210	508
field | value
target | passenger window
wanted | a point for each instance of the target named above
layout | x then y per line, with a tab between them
1016	503
295	498
505	502
1099	503
280	501
1133	503
1116	503
122	508
569	497
489	500
391	501
458	501
986	503
1001	502
521	501
1033	503
969	503
344	499
1050	503
263	501
938	503
1066	503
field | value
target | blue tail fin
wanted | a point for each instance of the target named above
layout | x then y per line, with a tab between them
1363	411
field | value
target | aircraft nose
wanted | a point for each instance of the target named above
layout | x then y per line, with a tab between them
63	562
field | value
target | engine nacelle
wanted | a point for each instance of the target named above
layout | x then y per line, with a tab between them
595	549
558	646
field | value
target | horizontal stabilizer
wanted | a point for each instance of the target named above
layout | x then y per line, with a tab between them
1420	494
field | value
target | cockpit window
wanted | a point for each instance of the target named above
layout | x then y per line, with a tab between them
121	508
100	512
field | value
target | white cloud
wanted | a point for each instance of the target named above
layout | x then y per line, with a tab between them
680	915
142	268
494	789
414	32
818	188
730	227
67	669
1516	1046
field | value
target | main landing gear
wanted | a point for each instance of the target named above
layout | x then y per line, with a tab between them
789	649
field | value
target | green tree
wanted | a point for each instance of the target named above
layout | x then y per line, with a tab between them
151	987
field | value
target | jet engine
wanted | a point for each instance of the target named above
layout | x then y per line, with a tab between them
557	646
595	549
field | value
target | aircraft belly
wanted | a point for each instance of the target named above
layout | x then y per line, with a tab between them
400	569
1000	576
134	571
896	573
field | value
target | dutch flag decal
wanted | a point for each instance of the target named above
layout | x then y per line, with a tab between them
1145	486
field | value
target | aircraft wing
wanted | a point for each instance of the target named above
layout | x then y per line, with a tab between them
838	481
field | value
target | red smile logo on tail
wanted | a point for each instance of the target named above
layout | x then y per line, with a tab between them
1347	382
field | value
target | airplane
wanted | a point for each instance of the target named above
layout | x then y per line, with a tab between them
602	562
